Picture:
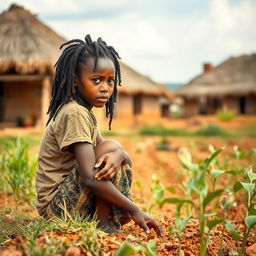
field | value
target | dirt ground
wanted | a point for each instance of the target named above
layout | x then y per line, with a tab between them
165	164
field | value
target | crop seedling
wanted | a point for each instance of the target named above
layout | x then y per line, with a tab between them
250	216
179	227
226	202
19	171
197	186
126	249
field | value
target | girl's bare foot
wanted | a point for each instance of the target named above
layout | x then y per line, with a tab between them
108	229
111	230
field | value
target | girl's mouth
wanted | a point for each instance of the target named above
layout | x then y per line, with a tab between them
102	99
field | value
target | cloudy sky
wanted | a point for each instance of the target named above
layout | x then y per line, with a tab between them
166	40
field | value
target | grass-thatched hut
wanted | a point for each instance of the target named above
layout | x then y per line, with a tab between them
231	85
28	52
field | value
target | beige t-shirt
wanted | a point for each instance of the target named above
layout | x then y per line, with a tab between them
73	123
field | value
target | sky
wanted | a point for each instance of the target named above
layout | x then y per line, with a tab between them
165	40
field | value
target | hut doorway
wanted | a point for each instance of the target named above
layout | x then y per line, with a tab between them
165	111
203	106
137	104
242	105
1	101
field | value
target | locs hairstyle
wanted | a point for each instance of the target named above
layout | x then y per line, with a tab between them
67	66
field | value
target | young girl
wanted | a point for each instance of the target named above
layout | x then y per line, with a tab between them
77	168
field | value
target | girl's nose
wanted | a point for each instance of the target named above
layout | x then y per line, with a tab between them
104	87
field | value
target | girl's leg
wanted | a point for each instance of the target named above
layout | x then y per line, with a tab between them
102	207
72	194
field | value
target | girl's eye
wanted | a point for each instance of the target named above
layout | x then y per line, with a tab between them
96	80
111	81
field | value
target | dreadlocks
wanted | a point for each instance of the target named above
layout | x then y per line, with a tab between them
67	66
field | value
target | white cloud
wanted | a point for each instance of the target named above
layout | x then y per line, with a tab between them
167	47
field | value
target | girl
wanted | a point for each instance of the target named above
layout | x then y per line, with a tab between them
87	74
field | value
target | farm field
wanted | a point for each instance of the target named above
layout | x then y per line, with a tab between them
191	188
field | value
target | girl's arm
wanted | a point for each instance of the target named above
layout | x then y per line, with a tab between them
85	157
116	154
106	190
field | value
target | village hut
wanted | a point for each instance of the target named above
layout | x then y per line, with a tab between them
141	96
29	50
229	86
27	53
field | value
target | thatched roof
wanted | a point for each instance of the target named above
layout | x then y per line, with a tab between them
235	76
27	45
134	82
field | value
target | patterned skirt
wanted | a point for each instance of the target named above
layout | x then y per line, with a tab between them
74	196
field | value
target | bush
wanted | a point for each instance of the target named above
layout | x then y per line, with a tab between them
212	130
159	130
109	133
225	115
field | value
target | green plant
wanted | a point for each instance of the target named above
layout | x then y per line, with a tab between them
159	130
157	190
109	133
225	115
212	130
50	247
250	216
179	226
226	202
19	170
198	187
127	249
75	222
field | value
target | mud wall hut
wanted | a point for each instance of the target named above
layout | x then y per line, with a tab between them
27	53
29	50
140	96
231	85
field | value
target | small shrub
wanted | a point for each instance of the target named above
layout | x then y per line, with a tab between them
109	133
159	130
212	130
225	115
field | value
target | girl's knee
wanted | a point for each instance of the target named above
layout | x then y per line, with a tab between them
106	147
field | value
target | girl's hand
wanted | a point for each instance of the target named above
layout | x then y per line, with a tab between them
146	222
111	163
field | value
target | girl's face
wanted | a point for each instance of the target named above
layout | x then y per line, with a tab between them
96	87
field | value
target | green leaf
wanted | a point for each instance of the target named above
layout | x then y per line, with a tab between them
250	174
211	196
190	166
208	215
249	187
250	221
151	248
212	223
181	224
237	186
125	250
216	173
172	230
211	158
171	190
232	230
233	253
176	201
251	210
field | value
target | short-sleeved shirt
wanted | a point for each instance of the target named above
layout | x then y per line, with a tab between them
73	123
